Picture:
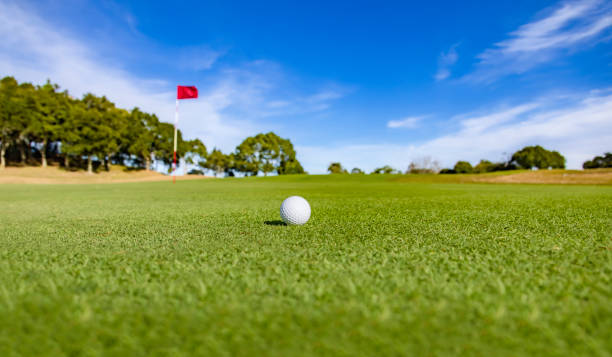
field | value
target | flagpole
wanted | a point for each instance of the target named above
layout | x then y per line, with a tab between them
176	118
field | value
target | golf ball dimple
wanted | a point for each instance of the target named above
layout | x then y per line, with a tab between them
295	210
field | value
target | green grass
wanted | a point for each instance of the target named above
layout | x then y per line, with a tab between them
383	268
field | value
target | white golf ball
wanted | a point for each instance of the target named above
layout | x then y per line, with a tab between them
295	210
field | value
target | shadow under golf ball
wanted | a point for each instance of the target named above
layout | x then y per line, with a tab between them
275	223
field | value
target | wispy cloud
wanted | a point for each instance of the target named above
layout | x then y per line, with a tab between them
197	58
445	61
566	28
409	122
577	125
478	124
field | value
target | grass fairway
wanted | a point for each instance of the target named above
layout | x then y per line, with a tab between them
384	267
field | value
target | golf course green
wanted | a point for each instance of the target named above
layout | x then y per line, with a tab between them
386	266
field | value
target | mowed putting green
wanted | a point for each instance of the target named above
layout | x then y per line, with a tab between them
383	267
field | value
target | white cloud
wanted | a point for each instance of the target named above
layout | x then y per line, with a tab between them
569	27
578	126
478	124
197	58
445	61
324	96
409	122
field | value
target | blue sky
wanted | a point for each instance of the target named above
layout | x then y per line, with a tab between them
363	83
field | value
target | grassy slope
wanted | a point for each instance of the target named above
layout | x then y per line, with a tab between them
56	175
383	268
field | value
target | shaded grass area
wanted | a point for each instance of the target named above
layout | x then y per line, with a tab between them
382	268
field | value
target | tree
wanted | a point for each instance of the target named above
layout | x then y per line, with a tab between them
248	156
68	133
269	151
487	166
115	122
216	161
384	170
336	168
599	162
266	153
424	166
94	136
288	164
195	151
17	108
139	137
356	171
484	166
9	111
27	115
536	156
52	109
463	167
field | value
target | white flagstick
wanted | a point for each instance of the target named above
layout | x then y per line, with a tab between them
176	118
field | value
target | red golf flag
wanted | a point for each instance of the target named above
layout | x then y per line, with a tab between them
186	92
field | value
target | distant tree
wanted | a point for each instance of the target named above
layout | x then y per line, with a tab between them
26	120
195	151
98	126
139	140
384	170
230	165
599	162
484	166
18	112
216	161
424	165
463	167
447	171
487	166
258	153
87	125
10	108
266	153
536	156
356	171
52	110
288	164
290	167
336	168
504	166
248	157
115	125
269	147
68	134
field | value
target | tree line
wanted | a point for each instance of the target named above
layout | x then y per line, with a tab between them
599	162
265	153
529	157
42	125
